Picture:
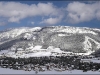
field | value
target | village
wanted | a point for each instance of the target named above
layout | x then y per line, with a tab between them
57	63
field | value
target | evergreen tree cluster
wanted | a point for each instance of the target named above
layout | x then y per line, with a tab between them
71	62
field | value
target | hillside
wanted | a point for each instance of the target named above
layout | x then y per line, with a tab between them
49	39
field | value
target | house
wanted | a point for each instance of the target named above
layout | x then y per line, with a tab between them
85	60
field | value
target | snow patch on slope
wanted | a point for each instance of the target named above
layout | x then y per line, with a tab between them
64	34
73	30
17	31
88	45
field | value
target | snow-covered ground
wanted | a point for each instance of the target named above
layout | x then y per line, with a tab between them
11	71
3	51
91	60
38	52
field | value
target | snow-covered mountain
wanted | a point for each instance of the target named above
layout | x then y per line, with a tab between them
40	39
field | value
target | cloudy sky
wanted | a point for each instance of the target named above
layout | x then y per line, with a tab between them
35	13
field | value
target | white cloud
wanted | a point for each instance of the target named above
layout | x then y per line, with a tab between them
81	12
52	21
76	12
32	23
15	11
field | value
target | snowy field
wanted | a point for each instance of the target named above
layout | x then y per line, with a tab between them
94	60
11	71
